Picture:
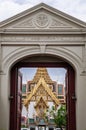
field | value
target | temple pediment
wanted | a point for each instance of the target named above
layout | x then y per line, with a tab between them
43	20
42	17
41	85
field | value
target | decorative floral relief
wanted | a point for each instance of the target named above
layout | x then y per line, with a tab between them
27	23
57	23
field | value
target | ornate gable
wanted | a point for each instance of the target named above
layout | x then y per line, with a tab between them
42	17
36	91
41	106
41	100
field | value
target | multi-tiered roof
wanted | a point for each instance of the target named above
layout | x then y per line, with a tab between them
42	88
42	72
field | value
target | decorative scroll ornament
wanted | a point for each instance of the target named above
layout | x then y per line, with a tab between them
42	20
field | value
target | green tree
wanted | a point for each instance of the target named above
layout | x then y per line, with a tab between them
59	116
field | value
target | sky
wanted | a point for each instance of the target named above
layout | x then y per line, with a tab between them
75	8
56	74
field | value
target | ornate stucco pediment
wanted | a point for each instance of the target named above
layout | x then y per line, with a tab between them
42	17
27	23
42	20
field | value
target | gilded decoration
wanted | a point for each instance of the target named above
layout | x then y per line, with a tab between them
41	91
42	95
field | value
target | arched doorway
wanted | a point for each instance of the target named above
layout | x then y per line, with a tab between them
45	61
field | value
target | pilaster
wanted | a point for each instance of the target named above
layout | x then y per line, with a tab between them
0	77
0	53
83	73
0	60
85	57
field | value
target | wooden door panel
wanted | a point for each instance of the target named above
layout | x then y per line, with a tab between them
19	104
13	99
71	104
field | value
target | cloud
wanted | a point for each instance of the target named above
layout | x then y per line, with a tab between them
76	8
9	8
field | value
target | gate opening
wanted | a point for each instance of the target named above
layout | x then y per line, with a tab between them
20	114
43	100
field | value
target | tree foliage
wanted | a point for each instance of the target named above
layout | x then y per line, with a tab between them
59	115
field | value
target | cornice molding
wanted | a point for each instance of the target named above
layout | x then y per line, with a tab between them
43	31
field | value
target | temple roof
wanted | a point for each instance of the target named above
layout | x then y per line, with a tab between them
42	72
41	100
46	88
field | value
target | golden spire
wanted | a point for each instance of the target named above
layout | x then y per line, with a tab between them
42	72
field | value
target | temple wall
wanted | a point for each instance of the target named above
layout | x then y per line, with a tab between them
75	55
44	31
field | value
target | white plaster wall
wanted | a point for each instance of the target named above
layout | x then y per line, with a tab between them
13	54
50	104
31	109
24	111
